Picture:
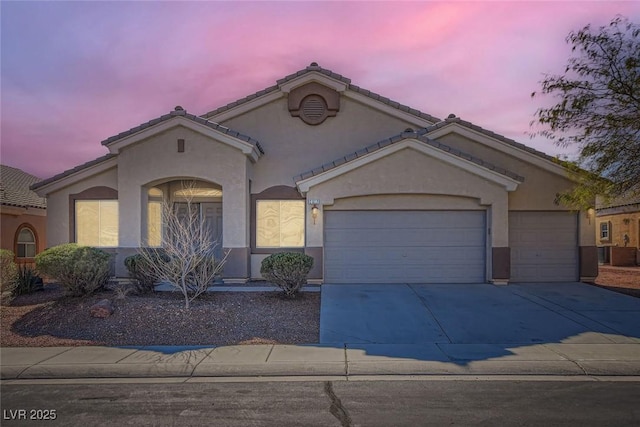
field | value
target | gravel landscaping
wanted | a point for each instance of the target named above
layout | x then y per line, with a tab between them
625	280
48	318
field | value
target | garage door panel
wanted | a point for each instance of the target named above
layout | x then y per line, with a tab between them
405	247
543	246
402	219
404	237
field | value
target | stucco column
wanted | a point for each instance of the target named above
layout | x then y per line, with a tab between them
500	251
129	222
314	239
588	251
235	230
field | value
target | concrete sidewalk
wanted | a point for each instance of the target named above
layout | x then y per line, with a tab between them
320	360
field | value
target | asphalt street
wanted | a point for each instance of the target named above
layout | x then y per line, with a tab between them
490	402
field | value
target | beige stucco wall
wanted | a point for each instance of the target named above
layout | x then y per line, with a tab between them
411	172
539	189
58	204
293	147
157	160
540	186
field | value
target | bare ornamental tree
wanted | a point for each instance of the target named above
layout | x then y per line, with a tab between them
187	259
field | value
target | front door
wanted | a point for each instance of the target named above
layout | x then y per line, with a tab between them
211	214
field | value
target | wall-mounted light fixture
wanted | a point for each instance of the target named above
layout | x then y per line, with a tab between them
314	209
590	213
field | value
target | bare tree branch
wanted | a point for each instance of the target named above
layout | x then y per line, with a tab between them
187	259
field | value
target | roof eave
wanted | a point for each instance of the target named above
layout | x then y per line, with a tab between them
507	182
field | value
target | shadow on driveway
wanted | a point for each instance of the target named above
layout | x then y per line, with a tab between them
468	322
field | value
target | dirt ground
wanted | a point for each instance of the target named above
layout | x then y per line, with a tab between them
625	280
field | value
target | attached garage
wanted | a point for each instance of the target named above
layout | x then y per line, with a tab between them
405	247
544	246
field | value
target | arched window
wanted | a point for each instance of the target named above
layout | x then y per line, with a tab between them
26	243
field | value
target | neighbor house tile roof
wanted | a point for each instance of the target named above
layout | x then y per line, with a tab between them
73	170
15	189
630	199
408	134
181	112
316	68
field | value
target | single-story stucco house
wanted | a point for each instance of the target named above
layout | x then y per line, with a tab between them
374	191
23	215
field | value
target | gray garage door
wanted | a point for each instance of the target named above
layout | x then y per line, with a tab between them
404	247
543	246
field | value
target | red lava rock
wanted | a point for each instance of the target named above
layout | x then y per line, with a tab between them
102	309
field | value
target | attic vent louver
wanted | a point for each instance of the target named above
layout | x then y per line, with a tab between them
314	110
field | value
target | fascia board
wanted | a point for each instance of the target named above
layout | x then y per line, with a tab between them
76	177
500	146
388	109
243	146
508	183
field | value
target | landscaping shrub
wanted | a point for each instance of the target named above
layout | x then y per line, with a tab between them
8	269
287	270
81	270
140	271
26	281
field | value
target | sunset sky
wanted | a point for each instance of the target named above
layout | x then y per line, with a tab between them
75	73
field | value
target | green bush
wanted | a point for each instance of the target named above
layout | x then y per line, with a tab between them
8	270
81	270
26	282
140	271
287	270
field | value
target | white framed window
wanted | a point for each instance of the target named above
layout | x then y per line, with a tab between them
605	230
26	243
280	223
97	223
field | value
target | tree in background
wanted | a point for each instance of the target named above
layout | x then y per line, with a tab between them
598	110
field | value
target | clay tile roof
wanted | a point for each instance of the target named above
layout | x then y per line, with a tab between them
179	111
401	137
316	68
15	189
454	119
73	170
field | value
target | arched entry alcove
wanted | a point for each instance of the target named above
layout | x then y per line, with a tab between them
183	197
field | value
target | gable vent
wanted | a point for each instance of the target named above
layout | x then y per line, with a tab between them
314	110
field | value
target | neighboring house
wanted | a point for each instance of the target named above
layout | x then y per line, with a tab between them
23	215
618	231
374	191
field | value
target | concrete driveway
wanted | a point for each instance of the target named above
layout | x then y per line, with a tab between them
522	314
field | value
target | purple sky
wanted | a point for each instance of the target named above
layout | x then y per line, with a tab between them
75	73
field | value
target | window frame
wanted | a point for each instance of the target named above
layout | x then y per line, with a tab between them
605	231
17	243
281	246
92	193
99	201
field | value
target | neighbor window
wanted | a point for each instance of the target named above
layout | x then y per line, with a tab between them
280	223
26	244
97	223
605	231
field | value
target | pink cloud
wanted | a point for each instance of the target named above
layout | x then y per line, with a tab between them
77	73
